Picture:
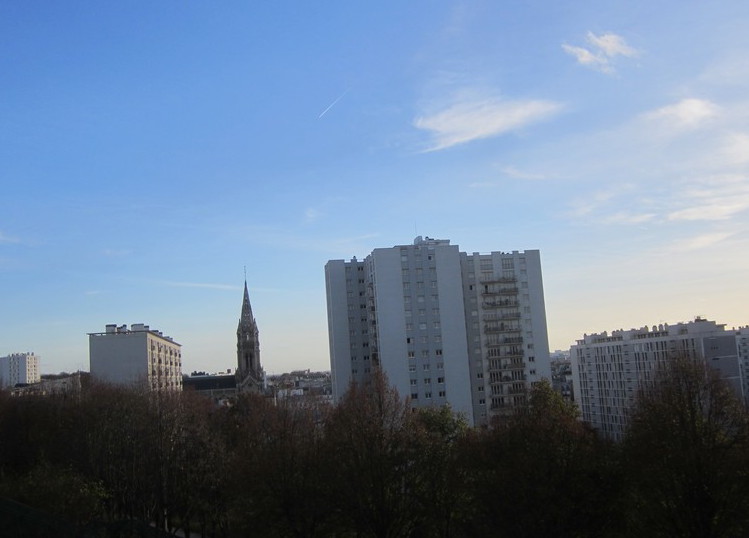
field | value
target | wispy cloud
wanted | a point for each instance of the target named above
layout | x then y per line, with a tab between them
513	172
474	119
701	241
686	114
601	51
714	198
625	217
582	207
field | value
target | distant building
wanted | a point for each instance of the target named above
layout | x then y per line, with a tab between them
219	387
608	370
446	327
250	375
301	383
139	356
57	385
18	368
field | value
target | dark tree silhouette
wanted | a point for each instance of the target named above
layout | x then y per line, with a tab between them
687	455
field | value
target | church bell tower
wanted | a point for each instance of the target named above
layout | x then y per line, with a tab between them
250	375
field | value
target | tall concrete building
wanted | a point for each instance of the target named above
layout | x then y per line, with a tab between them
139	356
250	375
18	368
608	370
446	327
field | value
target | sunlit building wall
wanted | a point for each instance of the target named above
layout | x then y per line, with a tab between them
609	369
138	356
446	327
18	368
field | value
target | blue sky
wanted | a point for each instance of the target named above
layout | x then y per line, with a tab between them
151	150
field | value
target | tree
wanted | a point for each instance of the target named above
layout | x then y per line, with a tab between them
541	472
370	441
687	455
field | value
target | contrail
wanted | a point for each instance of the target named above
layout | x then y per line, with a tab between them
331	105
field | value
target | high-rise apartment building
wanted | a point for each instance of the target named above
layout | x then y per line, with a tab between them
609	369
446	327
139	356
18	368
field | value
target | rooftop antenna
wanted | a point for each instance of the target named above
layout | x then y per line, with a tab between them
245	273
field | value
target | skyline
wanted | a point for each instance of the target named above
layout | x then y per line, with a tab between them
150	152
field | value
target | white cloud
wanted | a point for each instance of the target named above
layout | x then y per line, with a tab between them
701	241
513	172
611	45
687	113
603	49
589	59
713	198
624	217
483	118
736	148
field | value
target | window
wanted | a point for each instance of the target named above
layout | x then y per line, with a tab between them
436	324
414	396
442	394
413	382
409	326
438	352
412	368
426	367
440	380
427	395
411	354
427	380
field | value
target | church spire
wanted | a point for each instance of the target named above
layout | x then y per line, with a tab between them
246	307
249	371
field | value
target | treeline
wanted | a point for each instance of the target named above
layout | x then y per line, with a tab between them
111	462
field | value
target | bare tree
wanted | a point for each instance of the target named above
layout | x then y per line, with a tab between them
687	455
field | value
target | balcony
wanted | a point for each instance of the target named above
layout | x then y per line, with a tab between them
498	279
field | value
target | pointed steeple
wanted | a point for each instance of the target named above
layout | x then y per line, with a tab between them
246	307
249	371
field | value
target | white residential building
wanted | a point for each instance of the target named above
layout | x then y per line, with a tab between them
139	356
609	369
18	368
446	327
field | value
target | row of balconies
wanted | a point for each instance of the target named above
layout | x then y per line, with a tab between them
497	279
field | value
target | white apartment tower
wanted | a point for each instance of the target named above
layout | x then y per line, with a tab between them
139	356
18	368
446	327
608	370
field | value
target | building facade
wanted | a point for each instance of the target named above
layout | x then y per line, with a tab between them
139	356
446	327
250	375
609	369
18	368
